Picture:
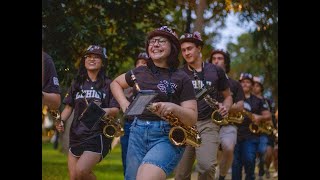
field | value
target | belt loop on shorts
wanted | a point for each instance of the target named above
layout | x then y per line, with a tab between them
161	125
134	123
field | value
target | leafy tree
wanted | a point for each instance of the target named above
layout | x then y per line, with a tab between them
248	56
120	26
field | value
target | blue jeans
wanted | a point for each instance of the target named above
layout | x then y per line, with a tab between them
149	143
262	148
245	155
124	144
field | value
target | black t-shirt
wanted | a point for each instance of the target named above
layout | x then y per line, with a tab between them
215	77
269	104
50	82
236	91
158	80
79	131
254	105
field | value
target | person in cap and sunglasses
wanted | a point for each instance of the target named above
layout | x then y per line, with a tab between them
204	76
150	154
87	144
247	141
227	133
141	60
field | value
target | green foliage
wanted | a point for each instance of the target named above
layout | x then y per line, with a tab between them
55	166
122	26
257	58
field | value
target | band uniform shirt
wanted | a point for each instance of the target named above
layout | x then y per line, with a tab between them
50	77
236	91
159	81
254	105
216	78
74	98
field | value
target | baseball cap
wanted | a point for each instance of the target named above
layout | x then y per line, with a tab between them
166	32
95	49
246	76
192	37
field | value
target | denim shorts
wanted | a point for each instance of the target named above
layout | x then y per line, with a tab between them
149	143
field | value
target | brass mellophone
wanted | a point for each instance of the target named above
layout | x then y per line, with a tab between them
180	134
113	127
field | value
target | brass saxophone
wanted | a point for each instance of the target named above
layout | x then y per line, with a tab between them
113	127
217	118
263	127
56	116
180	134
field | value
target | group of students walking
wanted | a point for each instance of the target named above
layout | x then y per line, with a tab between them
181	92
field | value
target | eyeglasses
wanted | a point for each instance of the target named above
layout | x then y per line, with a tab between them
160	41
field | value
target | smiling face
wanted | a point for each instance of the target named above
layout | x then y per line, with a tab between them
190	52
159	48
93	62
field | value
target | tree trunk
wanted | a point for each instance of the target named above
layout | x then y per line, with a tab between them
199	24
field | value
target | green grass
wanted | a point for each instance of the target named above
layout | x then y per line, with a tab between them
54	165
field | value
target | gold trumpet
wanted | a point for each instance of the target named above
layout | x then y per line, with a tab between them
113	127
180	134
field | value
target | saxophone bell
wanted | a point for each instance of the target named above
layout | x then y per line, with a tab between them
179	133
218	119
112	128
254	128
177	136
